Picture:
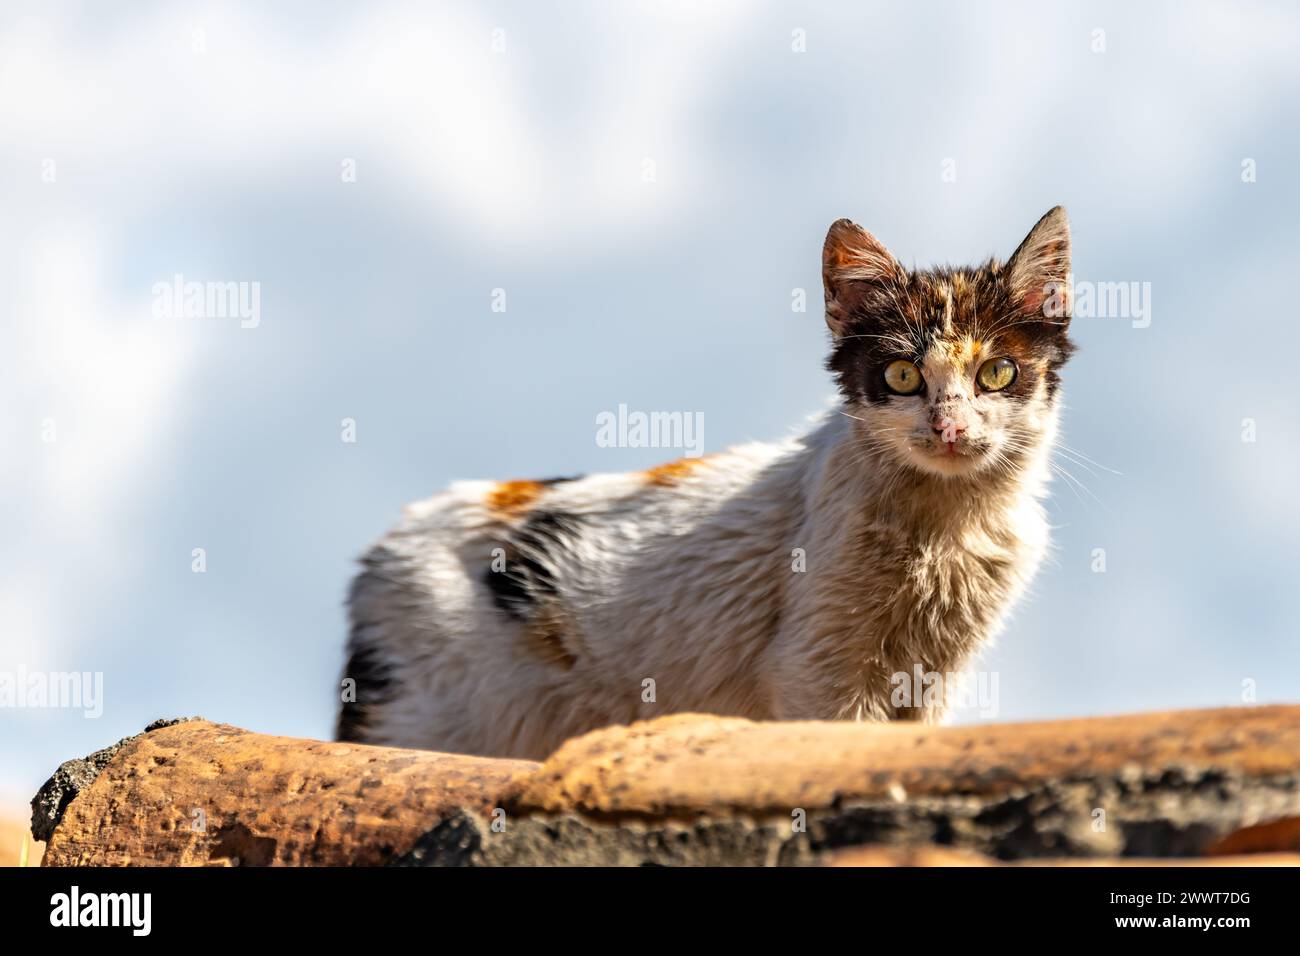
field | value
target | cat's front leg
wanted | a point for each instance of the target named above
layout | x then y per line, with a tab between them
805	685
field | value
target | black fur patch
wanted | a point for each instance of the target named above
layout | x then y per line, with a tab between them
374	685
526	580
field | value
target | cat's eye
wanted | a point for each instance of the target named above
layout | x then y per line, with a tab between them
903	377
996	374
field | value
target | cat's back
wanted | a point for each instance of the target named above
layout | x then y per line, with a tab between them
535	586
629	506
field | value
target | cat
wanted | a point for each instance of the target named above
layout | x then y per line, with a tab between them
783	581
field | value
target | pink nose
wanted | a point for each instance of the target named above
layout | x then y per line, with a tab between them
950	425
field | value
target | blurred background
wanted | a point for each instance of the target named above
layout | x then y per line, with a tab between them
649	183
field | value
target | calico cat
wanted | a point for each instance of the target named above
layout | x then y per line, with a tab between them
772	581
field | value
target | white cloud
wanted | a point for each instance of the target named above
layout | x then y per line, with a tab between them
136	119
410	88
104	380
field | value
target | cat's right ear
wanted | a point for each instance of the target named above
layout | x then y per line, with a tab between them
856	270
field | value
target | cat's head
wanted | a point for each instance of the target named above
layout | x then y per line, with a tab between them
950	371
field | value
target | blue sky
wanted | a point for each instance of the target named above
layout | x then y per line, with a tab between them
209	140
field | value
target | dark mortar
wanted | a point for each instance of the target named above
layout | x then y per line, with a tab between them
568	840
1165	813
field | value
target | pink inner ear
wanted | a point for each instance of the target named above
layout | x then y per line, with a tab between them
1033	301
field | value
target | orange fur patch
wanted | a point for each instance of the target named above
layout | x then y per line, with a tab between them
671	472
545	637
513	497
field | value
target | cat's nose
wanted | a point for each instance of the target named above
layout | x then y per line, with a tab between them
942	425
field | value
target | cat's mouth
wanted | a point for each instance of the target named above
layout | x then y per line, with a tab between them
949	457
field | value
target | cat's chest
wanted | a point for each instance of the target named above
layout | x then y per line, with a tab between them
934	595
939	578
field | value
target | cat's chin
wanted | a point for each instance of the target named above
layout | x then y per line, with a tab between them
944	464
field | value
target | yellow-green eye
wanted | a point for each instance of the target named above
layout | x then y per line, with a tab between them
996	374
903	378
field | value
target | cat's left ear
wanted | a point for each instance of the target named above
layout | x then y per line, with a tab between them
1038	271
